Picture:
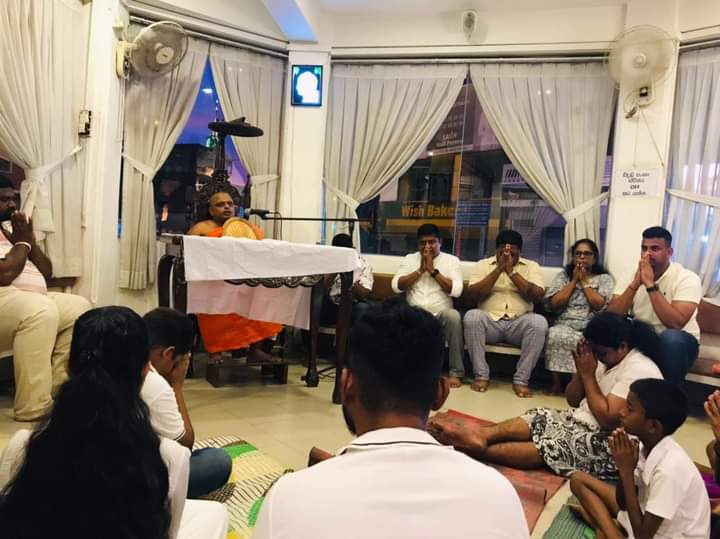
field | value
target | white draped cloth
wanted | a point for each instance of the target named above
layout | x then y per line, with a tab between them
156	111
42	61
250	84
380	119
694	212
209	262
553	121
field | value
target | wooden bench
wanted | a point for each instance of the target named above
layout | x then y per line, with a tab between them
708	318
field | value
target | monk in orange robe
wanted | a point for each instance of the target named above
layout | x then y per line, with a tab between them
225	332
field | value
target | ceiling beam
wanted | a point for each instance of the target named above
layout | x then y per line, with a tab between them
297	19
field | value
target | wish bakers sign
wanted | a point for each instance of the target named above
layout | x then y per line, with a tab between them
637	182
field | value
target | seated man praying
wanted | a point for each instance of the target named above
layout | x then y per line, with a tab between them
505	286
615	352
666	295
228	332
35	324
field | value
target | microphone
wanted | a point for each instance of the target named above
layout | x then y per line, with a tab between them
260	213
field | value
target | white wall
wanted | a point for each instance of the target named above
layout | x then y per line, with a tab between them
302	156
248	20
498	32
699	19
101	243
634	148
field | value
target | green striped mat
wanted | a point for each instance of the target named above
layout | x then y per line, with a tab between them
566	525
253	472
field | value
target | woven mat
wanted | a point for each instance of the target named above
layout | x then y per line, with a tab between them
535	487
566	525
253	473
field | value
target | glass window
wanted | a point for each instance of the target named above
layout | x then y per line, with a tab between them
465	183
191	162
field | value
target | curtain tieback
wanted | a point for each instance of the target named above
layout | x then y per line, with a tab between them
344	197
708	200
586	206
35	194
260	179
141	167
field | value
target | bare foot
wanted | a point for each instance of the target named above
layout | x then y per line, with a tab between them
448	431
556	390
215	358
257	355
454	381
481	386
522	391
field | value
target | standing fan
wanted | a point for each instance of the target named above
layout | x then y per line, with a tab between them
156	50
640	58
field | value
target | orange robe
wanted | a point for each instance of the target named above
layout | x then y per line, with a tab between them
225	332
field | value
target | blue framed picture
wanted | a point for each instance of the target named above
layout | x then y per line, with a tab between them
306	86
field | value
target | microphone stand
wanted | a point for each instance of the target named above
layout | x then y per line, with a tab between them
349	220
344	311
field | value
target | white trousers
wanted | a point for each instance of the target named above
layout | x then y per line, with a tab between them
38	329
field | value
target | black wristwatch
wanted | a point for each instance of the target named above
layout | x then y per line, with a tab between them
435	272
653	288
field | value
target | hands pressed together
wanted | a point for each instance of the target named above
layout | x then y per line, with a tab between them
644	275
22	229
624	450
505	261
585	361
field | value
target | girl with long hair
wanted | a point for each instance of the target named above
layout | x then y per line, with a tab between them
94	467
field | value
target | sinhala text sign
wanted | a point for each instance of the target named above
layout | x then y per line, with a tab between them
634	182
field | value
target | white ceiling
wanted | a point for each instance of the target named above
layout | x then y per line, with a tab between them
439	7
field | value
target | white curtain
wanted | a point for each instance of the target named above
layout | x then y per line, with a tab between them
156	110
251	85
694	212
553	121
42	67
380	119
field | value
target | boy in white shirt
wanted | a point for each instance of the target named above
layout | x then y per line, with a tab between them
661	493
170	334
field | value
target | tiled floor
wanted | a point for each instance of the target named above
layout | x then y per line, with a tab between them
286	421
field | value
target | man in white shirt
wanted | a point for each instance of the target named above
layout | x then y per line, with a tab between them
430	279
170	333
505	287
394	480
35	324
665	295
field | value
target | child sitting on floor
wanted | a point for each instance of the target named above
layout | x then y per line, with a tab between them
660	493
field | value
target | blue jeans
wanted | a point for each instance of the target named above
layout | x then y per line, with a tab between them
678	351
210	469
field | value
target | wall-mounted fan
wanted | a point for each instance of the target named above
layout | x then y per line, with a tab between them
156	50
640	58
